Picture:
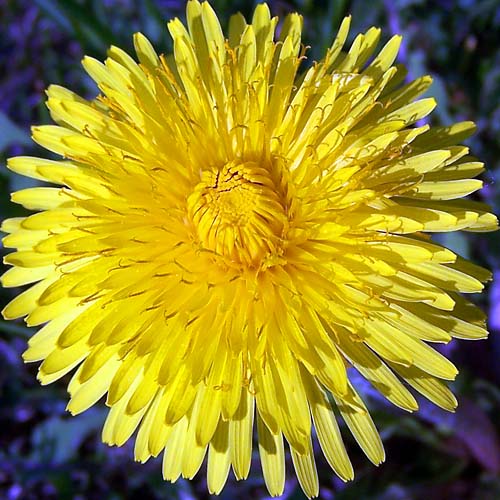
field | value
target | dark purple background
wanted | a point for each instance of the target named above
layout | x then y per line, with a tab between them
45	454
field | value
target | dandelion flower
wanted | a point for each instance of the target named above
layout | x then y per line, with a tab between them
233	233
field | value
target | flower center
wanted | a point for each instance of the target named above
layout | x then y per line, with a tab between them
238	213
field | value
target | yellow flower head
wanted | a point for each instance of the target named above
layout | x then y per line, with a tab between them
233	234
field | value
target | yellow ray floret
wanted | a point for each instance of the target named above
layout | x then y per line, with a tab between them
232	232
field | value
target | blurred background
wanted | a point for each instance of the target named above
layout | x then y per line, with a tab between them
46	454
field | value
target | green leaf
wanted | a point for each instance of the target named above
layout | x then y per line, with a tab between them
15	330
11	133
57	440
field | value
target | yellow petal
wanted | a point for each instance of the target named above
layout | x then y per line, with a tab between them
272	458
362	428
305	468
219	459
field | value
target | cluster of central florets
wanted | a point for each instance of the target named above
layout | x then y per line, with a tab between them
238	212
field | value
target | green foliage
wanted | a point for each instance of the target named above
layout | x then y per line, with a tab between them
432	456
